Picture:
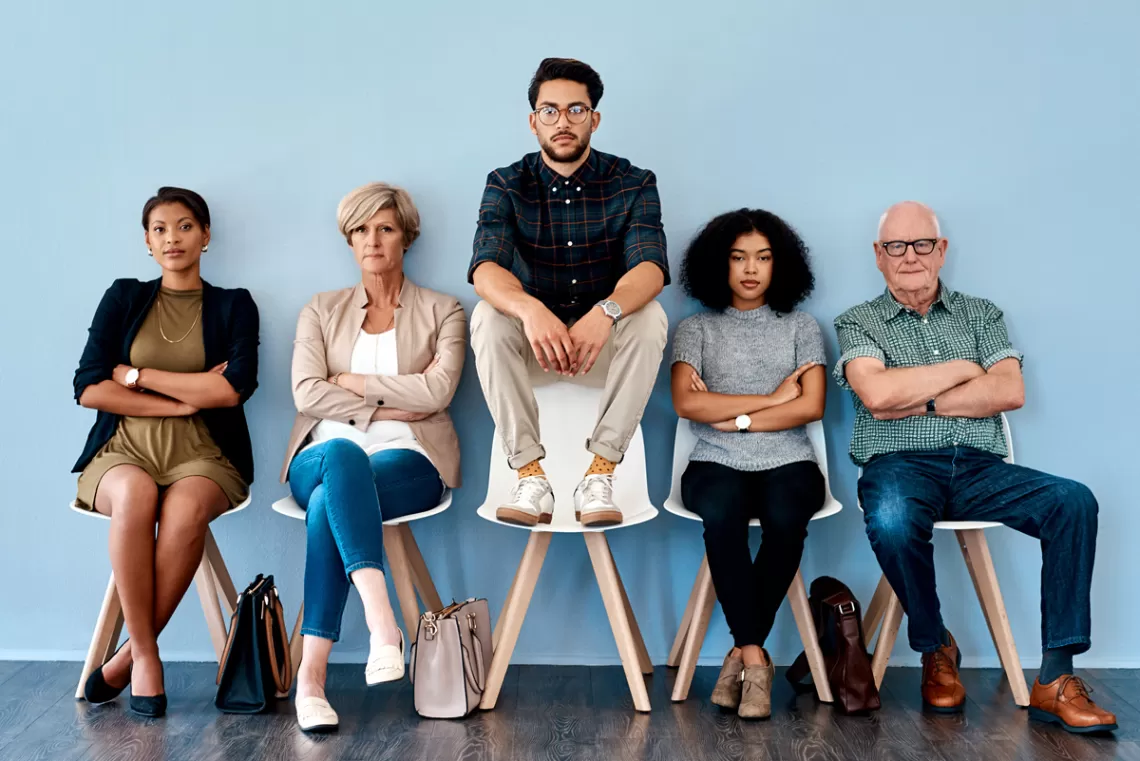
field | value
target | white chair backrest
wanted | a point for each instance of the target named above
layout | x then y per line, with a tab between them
686	440
567	413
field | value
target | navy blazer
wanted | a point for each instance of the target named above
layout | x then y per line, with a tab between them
229	331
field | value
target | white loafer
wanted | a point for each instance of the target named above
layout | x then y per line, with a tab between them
385	663
316	715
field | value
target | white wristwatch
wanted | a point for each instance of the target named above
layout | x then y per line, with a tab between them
132	378
743	423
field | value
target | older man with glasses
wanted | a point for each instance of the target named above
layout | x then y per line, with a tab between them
569	257
931	370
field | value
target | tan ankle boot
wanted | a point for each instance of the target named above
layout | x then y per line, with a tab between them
756	695
726	694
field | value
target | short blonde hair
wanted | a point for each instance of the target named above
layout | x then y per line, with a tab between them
361	204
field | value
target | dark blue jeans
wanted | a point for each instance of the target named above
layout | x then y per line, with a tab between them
903	494
347	496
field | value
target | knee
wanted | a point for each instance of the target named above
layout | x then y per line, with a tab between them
720	523
490	328
648	325
1075	502
190	516
892	524
785	527
345	454
134	498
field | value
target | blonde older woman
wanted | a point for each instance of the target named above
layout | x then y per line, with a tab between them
374	369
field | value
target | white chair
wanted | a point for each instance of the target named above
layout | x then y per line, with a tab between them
567	413
405	564
886	610
694	623
213	582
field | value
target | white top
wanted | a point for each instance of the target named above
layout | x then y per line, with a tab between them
372	354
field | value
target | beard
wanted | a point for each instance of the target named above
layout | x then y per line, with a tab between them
567	153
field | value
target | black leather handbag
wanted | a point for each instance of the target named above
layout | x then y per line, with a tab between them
255	667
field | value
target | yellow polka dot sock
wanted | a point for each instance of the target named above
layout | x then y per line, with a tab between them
601	467
532	468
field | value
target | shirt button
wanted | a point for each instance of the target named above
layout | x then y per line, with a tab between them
567	200
579	189
923	320
379	402
573	282
569	243
936	352
554	189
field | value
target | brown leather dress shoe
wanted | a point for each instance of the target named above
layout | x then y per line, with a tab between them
942	691
1066	701
726	694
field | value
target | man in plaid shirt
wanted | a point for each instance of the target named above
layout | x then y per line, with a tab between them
569	257
931	370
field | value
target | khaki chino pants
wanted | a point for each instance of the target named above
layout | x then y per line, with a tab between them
508	371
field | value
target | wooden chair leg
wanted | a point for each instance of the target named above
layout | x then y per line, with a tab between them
892	620
606	572
296	641
506	633
873	614
976	552
695	637
683	630
399	566
420	576
208	594
498	630
105	638
801	611
638	641
224	584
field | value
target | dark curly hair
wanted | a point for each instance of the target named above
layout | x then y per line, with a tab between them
704	272
566	68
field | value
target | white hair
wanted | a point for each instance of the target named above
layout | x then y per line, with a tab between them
930	211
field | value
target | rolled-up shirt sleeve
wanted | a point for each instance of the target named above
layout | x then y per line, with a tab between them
993	338
854	342
494	235
645	235
241	355
97	363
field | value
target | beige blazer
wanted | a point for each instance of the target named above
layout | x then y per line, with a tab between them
427	323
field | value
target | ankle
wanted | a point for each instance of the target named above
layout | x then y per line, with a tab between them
753	655
601	467
385	634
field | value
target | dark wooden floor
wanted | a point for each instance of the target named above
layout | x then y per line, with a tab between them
547	712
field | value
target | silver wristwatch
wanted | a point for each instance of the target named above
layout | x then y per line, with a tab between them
611	308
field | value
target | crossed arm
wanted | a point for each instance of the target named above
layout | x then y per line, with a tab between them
959	388
798	401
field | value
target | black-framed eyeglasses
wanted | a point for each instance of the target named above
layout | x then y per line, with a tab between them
575	114
922	246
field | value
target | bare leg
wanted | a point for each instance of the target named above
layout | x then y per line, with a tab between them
130	497
188	506
314	667
377	607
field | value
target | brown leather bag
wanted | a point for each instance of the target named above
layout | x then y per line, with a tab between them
839	624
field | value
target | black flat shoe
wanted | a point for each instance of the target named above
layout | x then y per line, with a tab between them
151	706
96	691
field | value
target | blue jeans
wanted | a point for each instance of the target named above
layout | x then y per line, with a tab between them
347	496
903	494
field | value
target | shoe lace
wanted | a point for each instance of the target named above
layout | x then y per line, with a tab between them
1082	690
599	488
940	663
531	489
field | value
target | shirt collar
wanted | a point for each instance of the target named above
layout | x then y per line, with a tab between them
551	179
890	308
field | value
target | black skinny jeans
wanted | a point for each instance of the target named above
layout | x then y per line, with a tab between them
784	499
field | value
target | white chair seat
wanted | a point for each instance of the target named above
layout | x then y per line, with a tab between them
96	514
698	611
567	413
290	509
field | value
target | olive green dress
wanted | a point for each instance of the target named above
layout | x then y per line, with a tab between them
167	448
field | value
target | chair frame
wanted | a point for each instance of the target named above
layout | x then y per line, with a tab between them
698	611
884	614
215	591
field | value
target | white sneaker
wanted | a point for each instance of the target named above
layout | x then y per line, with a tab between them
385	662
532	502
316	715
594	501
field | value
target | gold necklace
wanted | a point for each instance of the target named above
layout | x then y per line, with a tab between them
188	332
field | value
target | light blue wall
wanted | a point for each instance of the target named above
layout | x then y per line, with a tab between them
1017	121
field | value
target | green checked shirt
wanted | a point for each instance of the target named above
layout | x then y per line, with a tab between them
957	326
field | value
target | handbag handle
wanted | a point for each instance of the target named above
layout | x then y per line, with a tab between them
274	616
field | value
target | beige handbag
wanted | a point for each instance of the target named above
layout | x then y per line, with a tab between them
450	659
